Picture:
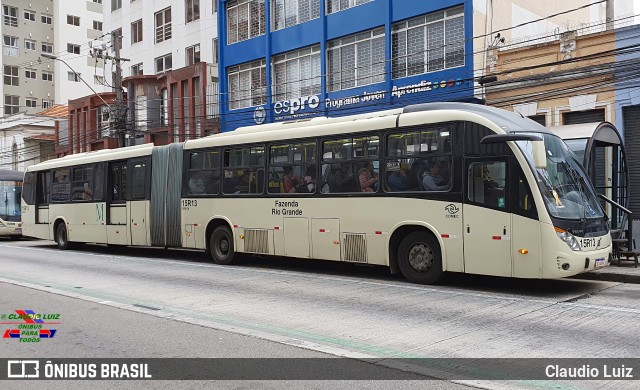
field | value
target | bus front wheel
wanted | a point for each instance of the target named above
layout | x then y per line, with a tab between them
221	246
420	258
61	236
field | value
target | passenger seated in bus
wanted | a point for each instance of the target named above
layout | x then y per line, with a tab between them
343	180
367	178
293	184
414	176
196	183
398	179
211	182
310	178
431	179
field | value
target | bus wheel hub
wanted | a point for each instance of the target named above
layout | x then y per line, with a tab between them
421	257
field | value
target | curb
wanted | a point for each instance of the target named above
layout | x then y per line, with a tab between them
610	277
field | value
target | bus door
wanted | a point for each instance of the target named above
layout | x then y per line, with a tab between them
42	202
486	217
137	203
117	216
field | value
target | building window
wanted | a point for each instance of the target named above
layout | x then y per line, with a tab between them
247	84
30	73
10	46
11	104
47	47
193	54
214	6
97	1
32	103
192	10
245	20
29	44
296	74
46	19
163	25
97	25
97	79
287	13
72	76
47	76
11	75
116	5
356	60
71	48
29	15
10	16
102	118
215	51
14	157
73	20
136	31
163	63
136	70
47	103
428	43
341	5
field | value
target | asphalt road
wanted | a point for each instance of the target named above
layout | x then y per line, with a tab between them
296	307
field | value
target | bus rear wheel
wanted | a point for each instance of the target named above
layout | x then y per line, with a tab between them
221	246
61	236
420	258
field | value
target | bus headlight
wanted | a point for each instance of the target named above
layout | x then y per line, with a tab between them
568	238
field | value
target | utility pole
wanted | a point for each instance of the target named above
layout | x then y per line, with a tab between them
120	120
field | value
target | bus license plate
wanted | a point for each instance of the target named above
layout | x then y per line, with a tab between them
589	243
600	263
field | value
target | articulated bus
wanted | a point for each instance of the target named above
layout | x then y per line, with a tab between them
10	195
423	190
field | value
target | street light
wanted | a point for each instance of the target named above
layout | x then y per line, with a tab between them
52	57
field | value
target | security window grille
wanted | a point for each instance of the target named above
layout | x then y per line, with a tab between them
341	5
47	48
192	10
163	63
287	13
163	25
10	16
29	15
71	48
29	44
47	76
193	54
10	46
11	75
46	19
541	119
428	43
97	25
136	31
136	70
296	73
47	103
11	104
356	60
32	103
72	76
116	5
245	20
73	20
247	84
30	74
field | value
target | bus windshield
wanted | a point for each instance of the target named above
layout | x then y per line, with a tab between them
565	187
10	195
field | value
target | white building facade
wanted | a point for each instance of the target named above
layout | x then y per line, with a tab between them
163	35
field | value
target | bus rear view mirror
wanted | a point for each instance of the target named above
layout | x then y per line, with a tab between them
539	154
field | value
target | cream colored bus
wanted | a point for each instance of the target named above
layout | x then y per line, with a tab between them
423	190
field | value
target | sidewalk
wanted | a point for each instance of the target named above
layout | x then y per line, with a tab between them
623	273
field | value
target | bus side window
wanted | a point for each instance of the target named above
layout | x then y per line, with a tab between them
523	204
